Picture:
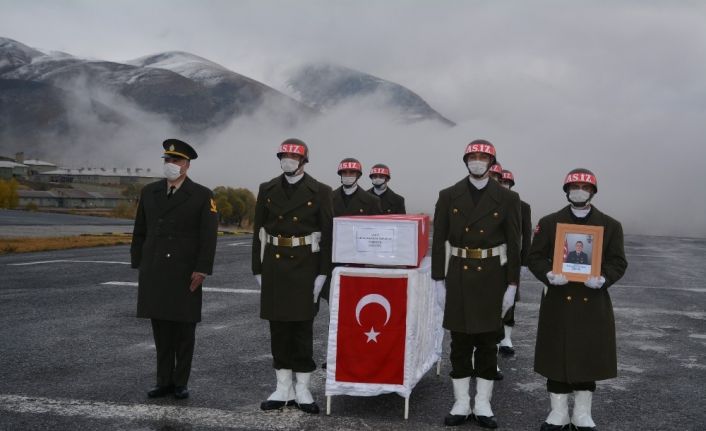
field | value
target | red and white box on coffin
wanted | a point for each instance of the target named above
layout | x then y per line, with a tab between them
381	240
385	330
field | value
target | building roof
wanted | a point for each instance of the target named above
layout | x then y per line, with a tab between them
33	162
104	172
68	193
36	194
8	164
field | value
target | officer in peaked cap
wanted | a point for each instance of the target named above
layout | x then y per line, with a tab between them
391	202
291	259
173	246
576	328
178	149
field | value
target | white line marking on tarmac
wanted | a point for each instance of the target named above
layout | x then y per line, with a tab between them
205	289
701	315
638	286
240	244
251	418
41	262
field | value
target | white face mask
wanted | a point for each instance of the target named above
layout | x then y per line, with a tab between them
579	197
477	167
348	181
377	182
289	166
172	171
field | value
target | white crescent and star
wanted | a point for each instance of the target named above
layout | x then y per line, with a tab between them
373	298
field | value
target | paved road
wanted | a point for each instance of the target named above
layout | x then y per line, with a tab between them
15	223
74	357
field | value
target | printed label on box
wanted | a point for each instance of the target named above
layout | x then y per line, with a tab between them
375	240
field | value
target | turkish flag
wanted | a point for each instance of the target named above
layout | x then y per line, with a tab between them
372	327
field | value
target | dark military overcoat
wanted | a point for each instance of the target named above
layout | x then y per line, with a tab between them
288	273
475	287
173	238
576	333
360	203
390	202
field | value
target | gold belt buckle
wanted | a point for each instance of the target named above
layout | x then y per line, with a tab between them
473	253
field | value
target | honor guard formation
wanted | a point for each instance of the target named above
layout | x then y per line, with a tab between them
482	242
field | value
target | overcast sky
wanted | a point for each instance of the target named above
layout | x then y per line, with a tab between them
615	86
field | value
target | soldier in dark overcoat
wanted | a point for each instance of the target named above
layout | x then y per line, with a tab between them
391	202
507	180
576	329
480	221
173	245
291	259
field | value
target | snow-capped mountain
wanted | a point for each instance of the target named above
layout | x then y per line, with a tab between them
323	86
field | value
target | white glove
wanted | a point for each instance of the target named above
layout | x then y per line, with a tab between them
440	292
258	278
595	282
508	298
556	279
318	285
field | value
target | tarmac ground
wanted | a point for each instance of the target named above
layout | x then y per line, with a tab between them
74	357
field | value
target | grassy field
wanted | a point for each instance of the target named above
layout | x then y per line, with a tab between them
25	245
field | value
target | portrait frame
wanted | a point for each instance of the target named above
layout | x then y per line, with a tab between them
578	272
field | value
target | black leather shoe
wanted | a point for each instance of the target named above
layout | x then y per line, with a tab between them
309	408
552	427
274	405
486	421
160	391
506	351
181	392
455	420
577	428
499	375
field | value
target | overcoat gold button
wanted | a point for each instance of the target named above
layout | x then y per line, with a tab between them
309	204
495	215
481	231
465	267
480	268
467	229
568	298
455	210
168	255
269	200
281	217
295	218
389	210
277	256
585	299
360	210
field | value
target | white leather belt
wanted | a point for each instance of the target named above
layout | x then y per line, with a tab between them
481	253
293	241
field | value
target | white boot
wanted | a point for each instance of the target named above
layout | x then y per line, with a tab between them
305	401
560	409
462	404
581	416
507	341
283	394
484	393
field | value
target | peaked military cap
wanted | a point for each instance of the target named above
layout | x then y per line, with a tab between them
177	148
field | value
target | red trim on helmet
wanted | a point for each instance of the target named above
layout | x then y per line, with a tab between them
496	168
292	149
507	175
380	171
580	177
350	166
480	148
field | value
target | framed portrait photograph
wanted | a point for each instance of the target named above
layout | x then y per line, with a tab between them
577	251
